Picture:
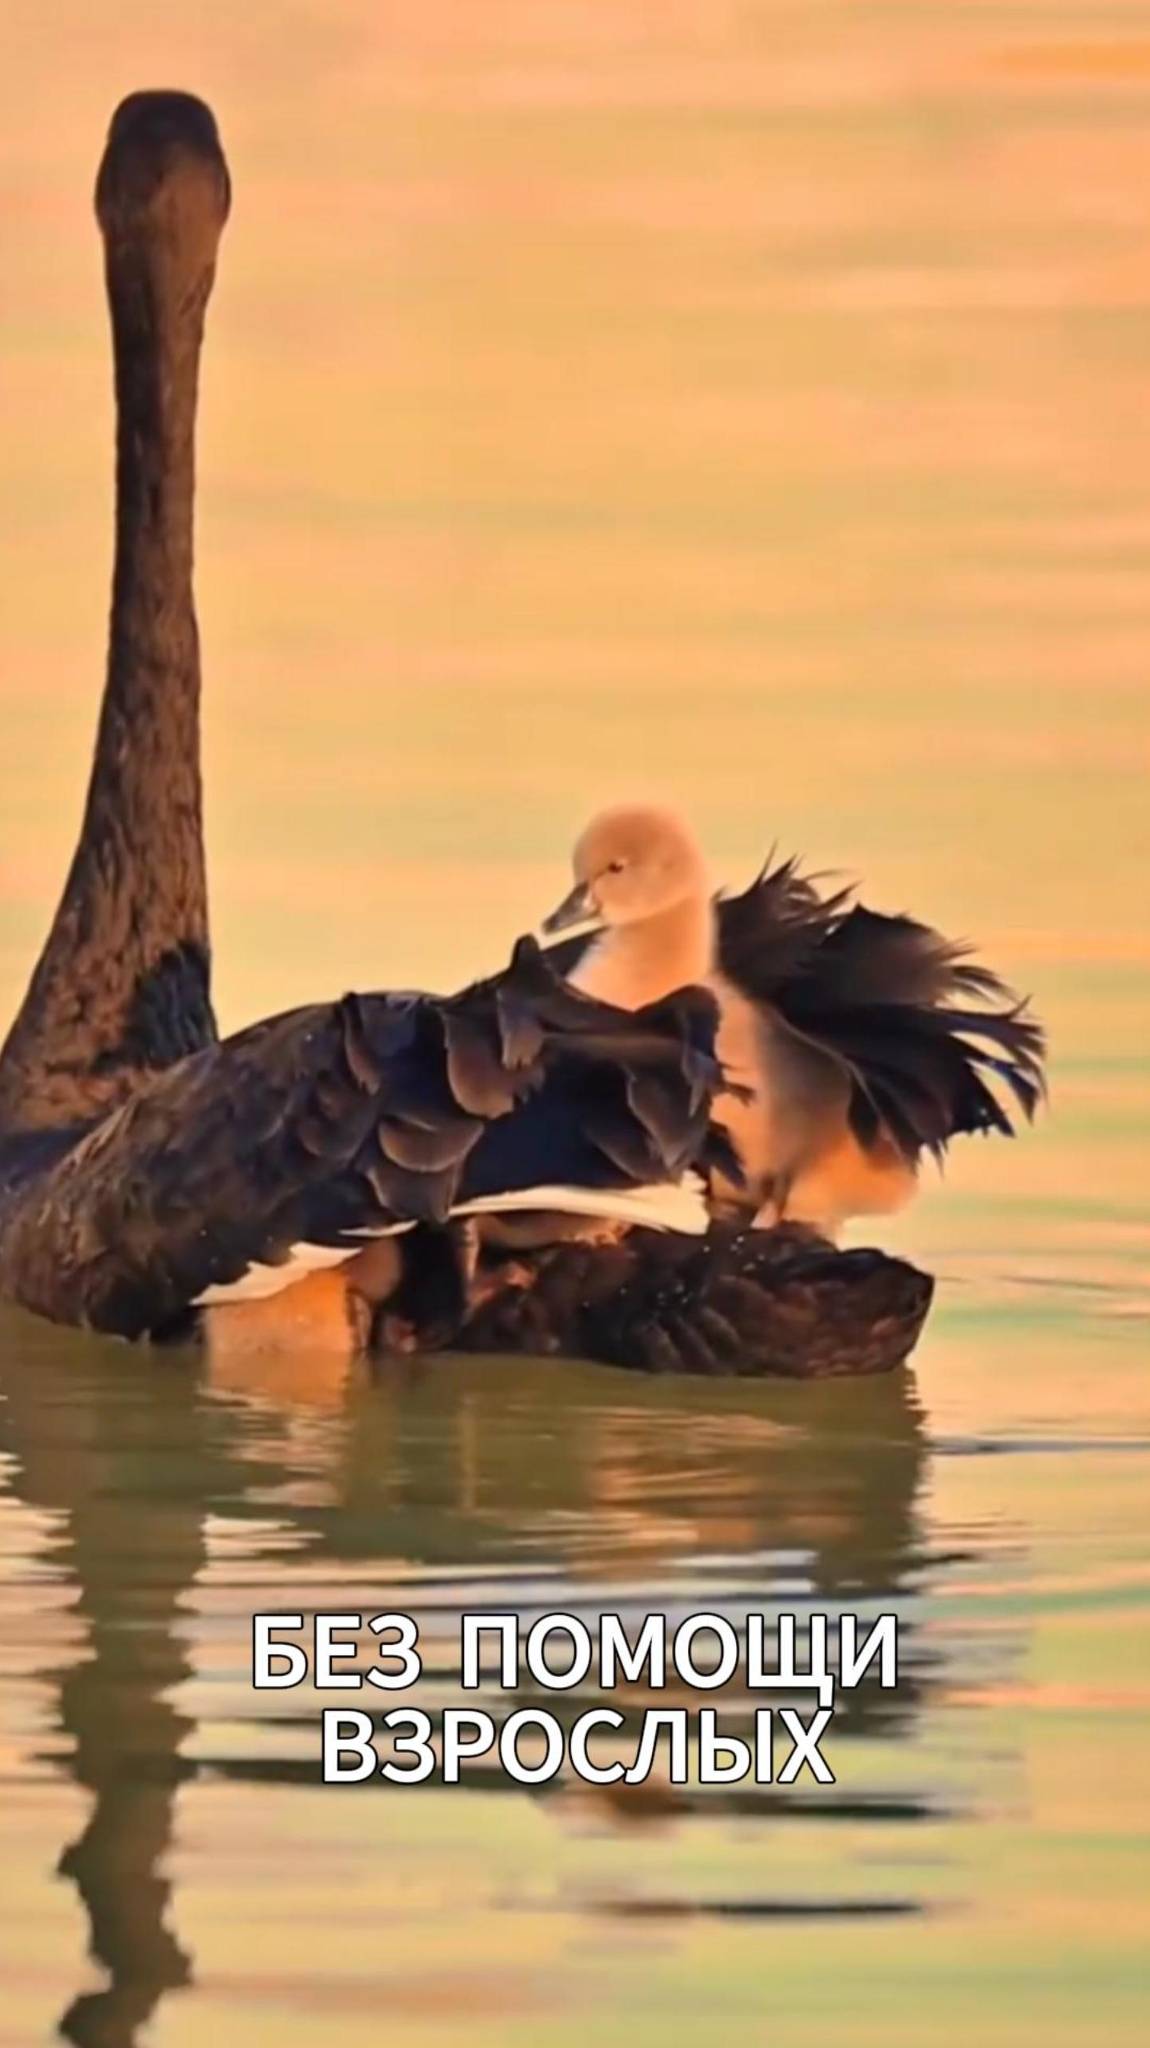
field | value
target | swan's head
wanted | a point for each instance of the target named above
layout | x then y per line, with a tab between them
631	864
162	193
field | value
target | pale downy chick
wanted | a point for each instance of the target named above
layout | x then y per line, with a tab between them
641	875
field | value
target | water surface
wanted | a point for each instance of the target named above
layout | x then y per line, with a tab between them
744	405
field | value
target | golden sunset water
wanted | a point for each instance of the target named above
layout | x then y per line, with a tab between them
743	404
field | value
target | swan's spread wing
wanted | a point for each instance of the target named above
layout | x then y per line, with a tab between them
931	1040
317	1130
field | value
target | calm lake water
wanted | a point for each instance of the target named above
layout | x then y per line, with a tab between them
745	404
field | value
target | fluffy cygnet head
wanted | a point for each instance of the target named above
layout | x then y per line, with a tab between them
630	864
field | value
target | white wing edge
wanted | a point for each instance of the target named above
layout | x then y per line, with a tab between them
260	1283
673	1205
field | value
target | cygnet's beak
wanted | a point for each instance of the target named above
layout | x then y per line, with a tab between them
576	908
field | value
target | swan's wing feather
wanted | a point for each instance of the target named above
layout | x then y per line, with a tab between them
900	1007
564	954
867	956
769	934
926	1076
934	1044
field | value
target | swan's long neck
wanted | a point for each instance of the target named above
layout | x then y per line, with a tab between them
122	986
636	963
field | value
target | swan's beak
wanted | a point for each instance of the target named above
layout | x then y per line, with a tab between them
577	908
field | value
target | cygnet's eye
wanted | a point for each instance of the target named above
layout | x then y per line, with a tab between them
616	867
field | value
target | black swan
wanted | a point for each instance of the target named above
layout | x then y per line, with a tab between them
152	1177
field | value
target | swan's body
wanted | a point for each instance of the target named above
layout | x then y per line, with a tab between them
838	1029
326	1173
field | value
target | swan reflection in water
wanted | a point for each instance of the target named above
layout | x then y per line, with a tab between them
443	1474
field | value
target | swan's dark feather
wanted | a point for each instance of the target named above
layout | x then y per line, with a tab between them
753	1303
168	1015
888	999
770	934
414	1146
925	1074
330	1122
870	957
